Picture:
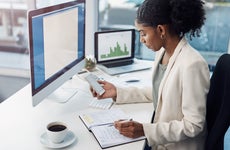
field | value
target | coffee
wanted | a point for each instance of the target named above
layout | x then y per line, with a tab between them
56	131
57	128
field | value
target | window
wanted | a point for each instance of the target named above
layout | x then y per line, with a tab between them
44	3
213	41
215	37
14	60
13	26
14	53
119	14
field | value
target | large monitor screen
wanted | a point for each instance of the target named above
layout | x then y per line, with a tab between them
56	39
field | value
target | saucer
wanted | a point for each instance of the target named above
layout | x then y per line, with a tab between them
69	139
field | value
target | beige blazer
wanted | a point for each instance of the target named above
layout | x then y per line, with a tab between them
179	121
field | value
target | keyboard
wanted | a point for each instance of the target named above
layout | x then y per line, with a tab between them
124	69
119	64
101	104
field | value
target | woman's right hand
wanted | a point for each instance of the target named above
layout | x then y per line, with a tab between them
110	91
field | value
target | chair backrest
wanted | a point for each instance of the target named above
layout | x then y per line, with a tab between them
218	104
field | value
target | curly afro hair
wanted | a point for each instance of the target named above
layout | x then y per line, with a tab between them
182	16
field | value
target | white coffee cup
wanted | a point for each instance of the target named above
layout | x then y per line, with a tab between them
56	131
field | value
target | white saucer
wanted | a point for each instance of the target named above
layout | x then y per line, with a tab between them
69	139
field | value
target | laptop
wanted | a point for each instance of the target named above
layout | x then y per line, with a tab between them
114	52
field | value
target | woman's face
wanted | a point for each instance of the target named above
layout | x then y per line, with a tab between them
149	36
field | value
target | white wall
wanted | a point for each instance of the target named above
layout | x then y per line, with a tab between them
91	25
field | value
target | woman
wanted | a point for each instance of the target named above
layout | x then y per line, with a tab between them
180	77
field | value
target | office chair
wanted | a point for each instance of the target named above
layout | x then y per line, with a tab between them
218	104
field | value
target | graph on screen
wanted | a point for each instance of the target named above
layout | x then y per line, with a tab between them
116	51
114	45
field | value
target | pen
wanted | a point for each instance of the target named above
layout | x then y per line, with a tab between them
130	119
81	72
112	124
131	81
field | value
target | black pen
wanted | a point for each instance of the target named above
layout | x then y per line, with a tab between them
131	81
112	124
81	72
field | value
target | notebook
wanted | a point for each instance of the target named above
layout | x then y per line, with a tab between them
114	51
101	125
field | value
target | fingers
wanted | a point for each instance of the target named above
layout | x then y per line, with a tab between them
93	92
102	81
125	128
120	124
110	90
130	129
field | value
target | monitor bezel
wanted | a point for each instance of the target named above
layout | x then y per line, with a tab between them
40	93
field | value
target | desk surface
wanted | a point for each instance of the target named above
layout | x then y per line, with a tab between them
22	125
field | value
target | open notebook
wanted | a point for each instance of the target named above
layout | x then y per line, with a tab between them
114	52
100	123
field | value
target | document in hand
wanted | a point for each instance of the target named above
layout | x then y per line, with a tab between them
101	125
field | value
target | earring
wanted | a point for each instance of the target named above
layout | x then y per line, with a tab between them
162	37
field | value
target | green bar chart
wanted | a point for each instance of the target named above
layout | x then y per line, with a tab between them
118	50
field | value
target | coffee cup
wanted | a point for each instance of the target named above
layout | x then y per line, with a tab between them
56	131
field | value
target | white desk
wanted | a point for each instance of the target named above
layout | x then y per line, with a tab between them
21	124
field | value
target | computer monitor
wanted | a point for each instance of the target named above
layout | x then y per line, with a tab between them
57	41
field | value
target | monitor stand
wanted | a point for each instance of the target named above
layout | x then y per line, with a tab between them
64	93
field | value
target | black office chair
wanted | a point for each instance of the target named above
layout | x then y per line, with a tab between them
218	104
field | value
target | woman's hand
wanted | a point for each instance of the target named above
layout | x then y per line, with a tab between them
130	129
110	90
